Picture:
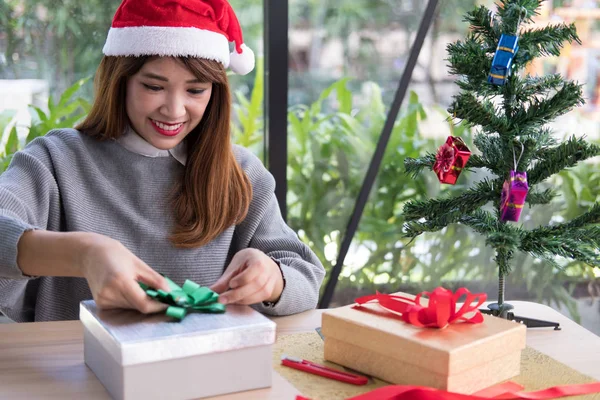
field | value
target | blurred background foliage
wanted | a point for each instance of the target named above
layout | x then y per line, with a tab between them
335	117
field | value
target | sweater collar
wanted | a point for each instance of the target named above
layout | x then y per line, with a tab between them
137	144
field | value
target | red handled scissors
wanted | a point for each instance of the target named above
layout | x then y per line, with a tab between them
322	370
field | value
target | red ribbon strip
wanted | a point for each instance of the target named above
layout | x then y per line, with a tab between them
512	393
440	311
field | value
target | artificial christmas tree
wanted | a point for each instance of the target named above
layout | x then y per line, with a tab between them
511	110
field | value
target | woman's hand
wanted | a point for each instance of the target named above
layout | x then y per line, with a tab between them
250	278
113	272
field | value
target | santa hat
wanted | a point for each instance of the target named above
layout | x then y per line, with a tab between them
194	28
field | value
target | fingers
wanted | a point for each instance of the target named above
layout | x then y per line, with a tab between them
140	301
138	297
153	279
235	267
251	277
261	295
255	291
245	277
106	301
114	281
129	296
220	285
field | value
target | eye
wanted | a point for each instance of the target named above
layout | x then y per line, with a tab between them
196	91
152	87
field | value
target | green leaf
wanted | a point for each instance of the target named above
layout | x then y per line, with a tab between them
85	105
12	145
344	97
352	124
70	122
67	95
241	98
6	118
64	111
412	117
5	162
40	114
34	132
51	105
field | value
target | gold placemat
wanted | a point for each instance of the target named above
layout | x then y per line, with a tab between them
538	371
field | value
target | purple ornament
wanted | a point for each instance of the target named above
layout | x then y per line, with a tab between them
514	192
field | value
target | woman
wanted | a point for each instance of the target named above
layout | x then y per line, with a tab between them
149	183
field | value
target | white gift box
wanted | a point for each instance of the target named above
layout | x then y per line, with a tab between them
138	356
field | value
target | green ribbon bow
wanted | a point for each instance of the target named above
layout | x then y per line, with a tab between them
192	297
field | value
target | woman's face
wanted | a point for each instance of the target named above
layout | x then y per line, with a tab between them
165	102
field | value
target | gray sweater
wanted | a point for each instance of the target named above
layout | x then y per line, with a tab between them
68	182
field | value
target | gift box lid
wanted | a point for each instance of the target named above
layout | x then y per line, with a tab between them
446	351
134	338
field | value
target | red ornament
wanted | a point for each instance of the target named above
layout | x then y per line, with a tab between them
450	160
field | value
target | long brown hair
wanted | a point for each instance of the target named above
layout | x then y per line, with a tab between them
214	192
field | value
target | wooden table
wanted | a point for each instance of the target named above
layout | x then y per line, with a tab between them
45	359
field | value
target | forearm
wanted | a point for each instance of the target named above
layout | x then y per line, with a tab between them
46	253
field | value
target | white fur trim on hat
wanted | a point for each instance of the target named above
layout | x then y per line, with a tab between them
242	63
167	41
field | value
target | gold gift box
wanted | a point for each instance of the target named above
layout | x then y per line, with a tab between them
462	358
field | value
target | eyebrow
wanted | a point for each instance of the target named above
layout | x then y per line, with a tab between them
162	78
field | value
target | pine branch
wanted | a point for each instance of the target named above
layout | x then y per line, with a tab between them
560	246
466	203
479	84
543	111
537	86
577	239
476	112
414	228
529	150
476	161
544	140
509	97
565	155
469	58
592	216
500	158
547	41
589	235
511	12
506	237
491	149
545	197
548	258
503	257
484	26
413	166
480	221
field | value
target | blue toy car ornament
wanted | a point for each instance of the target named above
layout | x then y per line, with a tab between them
506	50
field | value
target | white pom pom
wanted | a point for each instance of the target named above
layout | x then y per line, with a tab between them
242	63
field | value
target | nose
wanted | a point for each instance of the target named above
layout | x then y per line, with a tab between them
174	107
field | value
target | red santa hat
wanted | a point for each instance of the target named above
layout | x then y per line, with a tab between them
194	28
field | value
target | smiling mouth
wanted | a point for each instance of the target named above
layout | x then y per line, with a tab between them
167	127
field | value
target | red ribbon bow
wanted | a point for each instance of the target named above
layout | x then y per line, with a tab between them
438	313
444	159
